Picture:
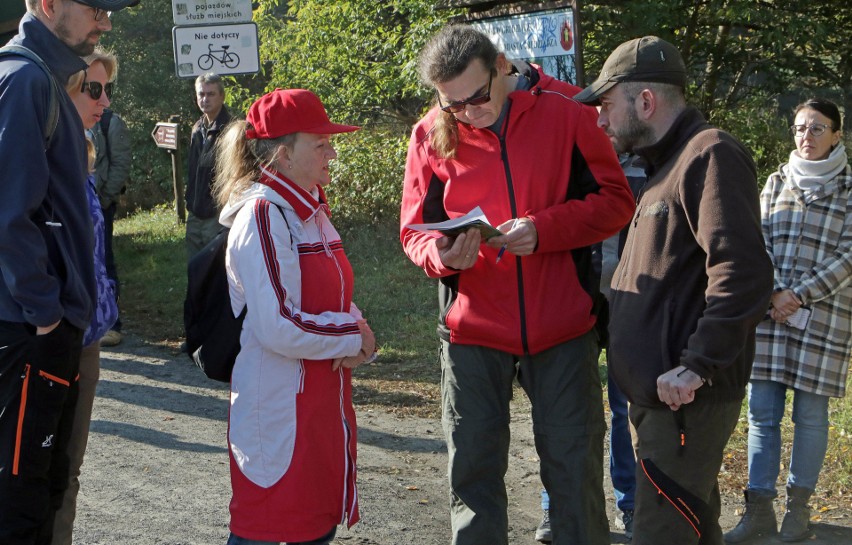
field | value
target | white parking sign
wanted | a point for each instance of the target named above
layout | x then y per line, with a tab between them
223	49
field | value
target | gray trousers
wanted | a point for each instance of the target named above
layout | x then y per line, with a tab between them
707	424
564	388
199	231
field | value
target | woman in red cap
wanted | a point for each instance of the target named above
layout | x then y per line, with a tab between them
292	430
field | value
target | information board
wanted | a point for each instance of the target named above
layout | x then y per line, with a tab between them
545	38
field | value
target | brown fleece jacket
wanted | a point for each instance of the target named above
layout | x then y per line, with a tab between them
694	279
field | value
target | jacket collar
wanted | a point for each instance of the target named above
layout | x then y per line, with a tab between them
688	123
222	119
523	100
304	203
61	60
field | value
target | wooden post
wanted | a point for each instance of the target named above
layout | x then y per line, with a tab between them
177	175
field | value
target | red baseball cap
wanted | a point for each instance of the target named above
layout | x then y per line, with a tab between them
288	111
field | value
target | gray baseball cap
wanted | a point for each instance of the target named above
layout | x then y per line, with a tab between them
644	59
108	5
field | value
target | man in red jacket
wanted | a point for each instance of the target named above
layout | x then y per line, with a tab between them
692	284
509	139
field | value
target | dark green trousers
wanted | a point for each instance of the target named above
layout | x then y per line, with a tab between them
564	388
708	424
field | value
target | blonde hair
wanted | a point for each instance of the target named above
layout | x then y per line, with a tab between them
107	59
91	154
238	159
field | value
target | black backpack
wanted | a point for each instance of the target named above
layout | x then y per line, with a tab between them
212	331
53	107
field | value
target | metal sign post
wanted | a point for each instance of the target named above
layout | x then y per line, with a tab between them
165	135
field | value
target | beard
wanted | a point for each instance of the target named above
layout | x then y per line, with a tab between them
632	135
81	49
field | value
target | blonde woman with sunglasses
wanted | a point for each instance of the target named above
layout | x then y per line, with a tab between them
90	91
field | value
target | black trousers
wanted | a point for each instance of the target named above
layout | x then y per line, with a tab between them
38	393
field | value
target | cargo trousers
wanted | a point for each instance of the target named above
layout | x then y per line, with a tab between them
564	387
38	393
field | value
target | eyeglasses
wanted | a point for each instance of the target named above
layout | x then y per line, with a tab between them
816	129
476	100
99	13
95	89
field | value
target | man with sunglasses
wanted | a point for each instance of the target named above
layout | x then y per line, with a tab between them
508	138
46	245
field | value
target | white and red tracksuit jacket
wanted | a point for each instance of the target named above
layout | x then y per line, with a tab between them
550	163
292	432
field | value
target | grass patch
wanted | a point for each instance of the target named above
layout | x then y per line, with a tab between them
400	303
151	259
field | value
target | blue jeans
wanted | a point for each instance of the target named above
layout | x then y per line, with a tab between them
324	540
622	461
810	437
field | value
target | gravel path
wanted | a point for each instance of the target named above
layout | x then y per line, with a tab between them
156	470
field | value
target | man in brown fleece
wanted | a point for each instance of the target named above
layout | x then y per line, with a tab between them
692	284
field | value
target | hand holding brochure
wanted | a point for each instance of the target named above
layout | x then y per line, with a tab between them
454	227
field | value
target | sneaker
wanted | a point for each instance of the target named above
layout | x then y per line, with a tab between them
111	338
542	533
625	522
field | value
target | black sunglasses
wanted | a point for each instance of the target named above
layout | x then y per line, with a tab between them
99	13
476	100
95	89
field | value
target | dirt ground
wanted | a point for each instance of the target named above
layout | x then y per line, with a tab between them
156	470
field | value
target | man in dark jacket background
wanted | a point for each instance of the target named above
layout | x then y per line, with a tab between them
46	260
693	282
202	221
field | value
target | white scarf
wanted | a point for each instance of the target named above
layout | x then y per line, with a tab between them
812	175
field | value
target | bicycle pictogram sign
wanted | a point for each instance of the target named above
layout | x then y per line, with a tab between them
222	56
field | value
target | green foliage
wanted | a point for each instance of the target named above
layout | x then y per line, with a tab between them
359	56
368	175
763	131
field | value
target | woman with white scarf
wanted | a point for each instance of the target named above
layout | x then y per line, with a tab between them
804	344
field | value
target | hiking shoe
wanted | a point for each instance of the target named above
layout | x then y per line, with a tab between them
542	533
625	522
111	338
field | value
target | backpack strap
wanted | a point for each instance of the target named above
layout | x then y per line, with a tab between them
53	108
106	118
